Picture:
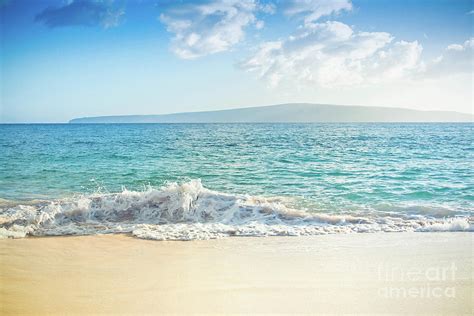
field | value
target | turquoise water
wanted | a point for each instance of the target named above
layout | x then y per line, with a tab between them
410	169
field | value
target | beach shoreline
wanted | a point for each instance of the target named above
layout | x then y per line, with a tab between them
417	273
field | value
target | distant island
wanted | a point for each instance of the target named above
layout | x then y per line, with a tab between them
290	113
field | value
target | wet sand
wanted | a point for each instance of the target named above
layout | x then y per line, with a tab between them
417	273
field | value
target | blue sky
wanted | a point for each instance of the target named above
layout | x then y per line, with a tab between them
68	58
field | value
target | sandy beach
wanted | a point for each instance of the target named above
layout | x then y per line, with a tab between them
418	273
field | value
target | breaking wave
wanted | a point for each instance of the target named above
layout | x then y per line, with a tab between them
189	211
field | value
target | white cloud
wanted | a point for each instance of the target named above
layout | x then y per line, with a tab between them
82	12
455	47
457	58
333	54
210	27
268	8
312	10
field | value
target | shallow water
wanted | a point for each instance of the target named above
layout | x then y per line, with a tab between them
234	179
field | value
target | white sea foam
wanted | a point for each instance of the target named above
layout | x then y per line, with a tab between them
189	211
456	224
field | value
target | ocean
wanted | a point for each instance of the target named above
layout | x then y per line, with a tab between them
202	181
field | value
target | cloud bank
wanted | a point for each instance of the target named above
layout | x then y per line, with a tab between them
333	54
210	27
83	13
312	10
456	59
317	54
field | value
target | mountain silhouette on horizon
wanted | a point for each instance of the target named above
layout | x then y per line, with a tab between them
290	113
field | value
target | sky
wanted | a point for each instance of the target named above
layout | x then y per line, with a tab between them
61	59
